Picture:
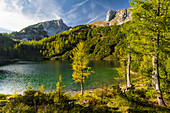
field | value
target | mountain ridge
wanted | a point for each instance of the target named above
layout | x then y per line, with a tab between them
114	17
53	27
41	30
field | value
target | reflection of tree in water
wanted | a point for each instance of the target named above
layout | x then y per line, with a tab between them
3	71
6	74
3	74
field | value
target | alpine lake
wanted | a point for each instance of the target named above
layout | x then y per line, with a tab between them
18	75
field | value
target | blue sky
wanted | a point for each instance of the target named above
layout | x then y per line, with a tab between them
17	14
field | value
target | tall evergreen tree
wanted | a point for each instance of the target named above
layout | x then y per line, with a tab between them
151	19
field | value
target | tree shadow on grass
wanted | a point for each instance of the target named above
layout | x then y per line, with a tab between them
137	104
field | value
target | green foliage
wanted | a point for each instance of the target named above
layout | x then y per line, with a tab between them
80	61
134	100
6	46
59	85
59	96
150	34
3	97
80	64
100	42
18	108
29	87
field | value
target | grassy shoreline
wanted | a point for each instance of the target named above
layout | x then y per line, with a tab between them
110	99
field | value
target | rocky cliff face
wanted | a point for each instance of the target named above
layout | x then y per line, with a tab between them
118	17
110	15
41	30
114	17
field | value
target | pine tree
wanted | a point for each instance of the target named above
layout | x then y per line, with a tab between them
151	23
80	64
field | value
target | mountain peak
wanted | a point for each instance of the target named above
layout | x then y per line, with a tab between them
110	15
41	30
114	17
118	17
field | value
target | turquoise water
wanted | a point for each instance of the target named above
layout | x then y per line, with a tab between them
18	75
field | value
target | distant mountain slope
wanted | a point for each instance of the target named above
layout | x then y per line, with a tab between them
114	17
41	30
6	46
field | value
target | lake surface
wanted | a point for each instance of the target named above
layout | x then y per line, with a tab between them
19	75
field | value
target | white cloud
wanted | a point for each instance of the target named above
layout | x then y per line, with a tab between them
17	14
12	19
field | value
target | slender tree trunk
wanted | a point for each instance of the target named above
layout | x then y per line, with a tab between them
156	64
125	75
128	71
82	88
153	73
157	82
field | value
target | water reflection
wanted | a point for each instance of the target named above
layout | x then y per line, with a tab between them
18	75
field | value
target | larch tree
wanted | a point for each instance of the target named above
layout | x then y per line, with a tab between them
125	54
80	64
127	30
151	19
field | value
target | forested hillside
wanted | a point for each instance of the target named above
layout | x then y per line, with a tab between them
6	46
99	40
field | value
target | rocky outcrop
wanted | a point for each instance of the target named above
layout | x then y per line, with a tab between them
54	27
114	17
110	15
41	30
118	17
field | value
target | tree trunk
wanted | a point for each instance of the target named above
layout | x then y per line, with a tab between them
82	88
128	71
157	82
125	75
155	62
153	73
